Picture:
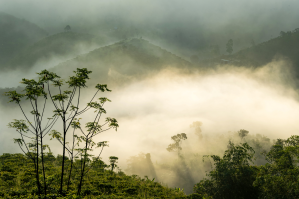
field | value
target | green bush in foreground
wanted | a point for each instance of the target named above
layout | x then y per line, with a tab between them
18	181
234	177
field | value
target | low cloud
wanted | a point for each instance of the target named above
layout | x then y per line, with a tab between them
153	109
225	99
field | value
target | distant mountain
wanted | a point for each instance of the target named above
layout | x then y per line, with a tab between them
286	45
126	59
61	46
15	35
117	63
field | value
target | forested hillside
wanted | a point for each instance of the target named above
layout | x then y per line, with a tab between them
124	60
15	35
284	46
61	46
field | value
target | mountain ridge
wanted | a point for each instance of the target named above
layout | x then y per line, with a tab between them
15	35
61	46
131	58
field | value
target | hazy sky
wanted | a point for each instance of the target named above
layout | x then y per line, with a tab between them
214	11
155	108
196	23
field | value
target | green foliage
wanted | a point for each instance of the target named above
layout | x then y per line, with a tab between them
176	146
14	96
280	177
102	88
18	180
243	133
79	80
113	161
232	176
19	125
67	112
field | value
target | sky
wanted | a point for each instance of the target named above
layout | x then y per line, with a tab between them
196	23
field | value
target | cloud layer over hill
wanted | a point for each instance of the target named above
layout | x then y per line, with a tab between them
153	108
182	25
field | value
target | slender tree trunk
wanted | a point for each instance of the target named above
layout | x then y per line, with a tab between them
35	170
39	132
37	173
70	173
44	175
83	169
81	178
63	154
72	161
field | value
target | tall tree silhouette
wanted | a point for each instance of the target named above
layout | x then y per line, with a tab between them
176	146
67	28
229	46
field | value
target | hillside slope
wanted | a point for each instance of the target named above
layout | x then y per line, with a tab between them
284	48
286	45
61	46
15	35
118	63
124	60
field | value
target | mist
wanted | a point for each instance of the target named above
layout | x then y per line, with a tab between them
225	99
157	105
150	111
156	91
186	27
